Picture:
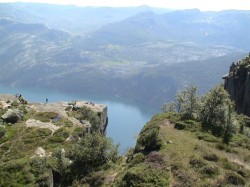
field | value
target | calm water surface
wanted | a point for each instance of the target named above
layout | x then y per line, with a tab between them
125	119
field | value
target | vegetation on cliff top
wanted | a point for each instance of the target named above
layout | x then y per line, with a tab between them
195	142
198	143
57	150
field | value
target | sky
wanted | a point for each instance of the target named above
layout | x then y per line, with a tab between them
204	5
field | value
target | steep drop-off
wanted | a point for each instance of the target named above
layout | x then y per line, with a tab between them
237	83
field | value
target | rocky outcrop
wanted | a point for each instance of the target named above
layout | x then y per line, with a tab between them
12	116
40	124
237	83
11	113
61	109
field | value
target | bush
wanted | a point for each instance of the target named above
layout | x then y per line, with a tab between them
234	179
143	175
207	137
156	159
95	178
193	124
61	132
137	158
217	114
2	131
15	103
211	157
86	113
210	171
56	139
149	139
181	125
93	150
196	162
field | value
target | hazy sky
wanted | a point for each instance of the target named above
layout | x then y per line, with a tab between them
174	4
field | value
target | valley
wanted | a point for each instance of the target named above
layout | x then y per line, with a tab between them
137	56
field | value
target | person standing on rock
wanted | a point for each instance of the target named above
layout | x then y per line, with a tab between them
47	100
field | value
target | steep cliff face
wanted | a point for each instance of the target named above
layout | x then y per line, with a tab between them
237	83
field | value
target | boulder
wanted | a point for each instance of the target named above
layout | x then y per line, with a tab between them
12	116
40	152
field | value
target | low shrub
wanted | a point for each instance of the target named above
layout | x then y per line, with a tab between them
137	158
181	125
2	131
56	139
95	179
176	165
194	125
155	159
196	162
211	157
210	170
149	139
232	178
143	175
220	146
207	137
15	103
230	165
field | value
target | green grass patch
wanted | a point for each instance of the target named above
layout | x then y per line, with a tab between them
2	131
144	175
149	139
16	173
171	116
45	116
9	134
62	132
207	137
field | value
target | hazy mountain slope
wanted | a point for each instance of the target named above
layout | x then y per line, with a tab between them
145	58
70	18
228	28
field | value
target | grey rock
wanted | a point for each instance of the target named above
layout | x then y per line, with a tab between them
12	116
237	83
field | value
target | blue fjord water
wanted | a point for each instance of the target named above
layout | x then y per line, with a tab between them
125	119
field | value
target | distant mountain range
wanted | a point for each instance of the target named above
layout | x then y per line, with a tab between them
141	53
69	18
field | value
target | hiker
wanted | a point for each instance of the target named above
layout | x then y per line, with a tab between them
47	100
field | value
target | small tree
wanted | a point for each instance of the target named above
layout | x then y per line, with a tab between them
171	107
187	102
62	162
93	150
217	113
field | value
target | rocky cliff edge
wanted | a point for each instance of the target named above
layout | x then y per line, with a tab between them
237	83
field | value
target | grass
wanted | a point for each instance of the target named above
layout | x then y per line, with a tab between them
16	173
164	155
193	154
45	116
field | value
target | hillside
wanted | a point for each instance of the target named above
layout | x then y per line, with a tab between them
167	156
31	133
123	58
62	144
207	28
73	19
